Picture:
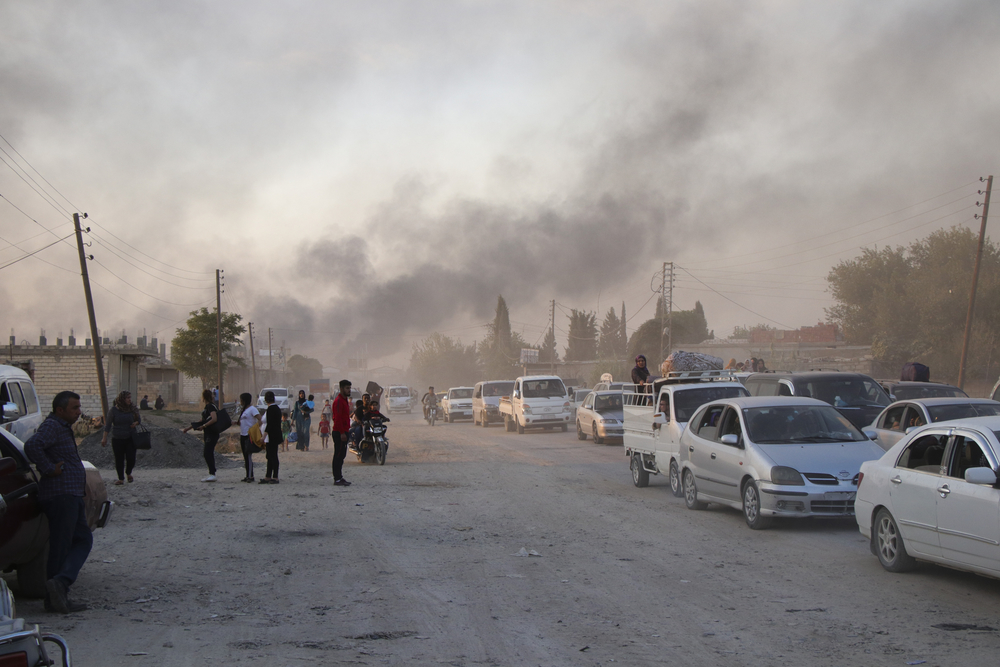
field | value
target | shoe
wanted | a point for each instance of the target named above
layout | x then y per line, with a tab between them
273	481
130	480
57	596
72	606
251	480
341	482
119	482
266	480
210	478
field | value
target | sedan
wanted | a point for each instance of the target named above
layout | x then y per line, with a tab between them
899	418
933	497
905	391
773	456
601	416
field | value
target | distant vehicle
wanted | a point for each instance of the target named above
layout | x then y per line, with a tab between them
903	416
601	417
856	396
579	395
398	399
486	400
933	496
22	414
537	401
773	456
905	391
457	404
280	398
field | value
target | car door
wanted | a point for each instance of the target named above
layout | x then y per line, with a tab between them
727	460
703	451
889	426
968	515
913	492
10	392
587	414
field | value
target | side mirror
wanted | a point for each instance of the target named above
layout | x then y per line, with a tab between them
10	412
872	435
516	394
909	429
730	439
659	418
984	476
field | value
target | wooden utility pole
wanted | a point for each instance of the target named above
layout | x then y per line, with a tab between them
270	359
975	282
670	311
90	313
663	309
253	359
553	329
218	326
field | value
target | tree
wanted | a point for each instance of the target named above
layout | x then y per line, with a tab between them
304	369
500	350
194	350
548	353
690	327
582	344
610	345
624	333
443	362
910	303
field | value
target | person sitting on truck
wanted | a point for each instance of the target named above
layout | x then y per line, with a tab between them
429	400
640	373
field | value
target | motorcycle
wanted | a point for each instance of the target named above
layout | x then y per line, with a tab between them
432	413
374	442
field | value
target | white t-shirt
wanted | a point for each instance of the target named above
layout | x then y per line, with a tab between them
247	419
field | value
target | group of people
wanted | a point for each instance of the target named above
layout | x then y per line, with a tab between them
159	404
751	365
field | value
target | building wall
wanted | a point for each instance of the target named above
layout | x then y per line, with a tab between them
59	369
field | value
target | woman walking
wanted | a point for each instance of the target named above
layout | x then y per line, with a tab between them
121	421
272	427
303	422
207	425
249	416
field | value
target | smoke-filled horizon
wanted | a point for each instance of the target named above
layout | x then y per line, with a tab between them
369	174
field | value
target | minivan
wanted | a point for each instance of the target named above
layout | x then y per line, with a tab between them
22	414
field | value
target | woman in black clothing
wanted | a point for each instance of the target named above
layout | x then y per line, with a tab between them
122	419
272	427
208	417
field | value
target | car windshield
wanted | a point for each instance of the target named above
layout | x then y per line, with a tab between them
280	392
945	413
399	392
461	393
686	401
908	393
498	389
799	424
549	388
853	392
608	403
581	394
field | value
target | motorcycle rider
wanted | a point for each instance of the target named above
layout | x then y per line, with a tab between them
429	400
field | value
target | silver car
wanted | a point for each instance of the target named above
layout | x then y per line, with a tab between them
773	456
902	416
601	416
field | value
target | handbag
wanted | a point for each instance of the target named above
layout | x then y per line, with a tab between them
223	420
142	438
256	439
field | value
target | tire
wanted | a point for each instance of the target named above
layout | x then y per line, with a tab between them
474	422
691	492
447	418
31	575
751	507
640	476
485	421
520	427
564	428
580	435
508	424
675	481
380	453
597	439
889	545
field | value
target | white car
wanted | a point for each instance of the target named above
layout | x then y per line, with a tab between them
933	497
398	399
280	398
457	404
22	414
896	420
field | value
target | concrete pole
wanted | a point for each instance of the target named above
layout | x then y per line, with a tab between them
90	312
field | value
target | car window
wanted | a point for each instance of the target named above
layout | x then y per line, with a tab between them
753	386
892	419
910	392
799	425
730	425
664	404
846	392
479	391
10	392
611	402
914	417
924	453
549	388
498	389
767	389
589	403
686	401
784	389
709	422
460	393
8	450
30	399
965	453
943	413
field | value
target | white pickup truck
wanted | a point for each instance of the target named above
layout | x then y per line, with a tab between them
653	428
537	401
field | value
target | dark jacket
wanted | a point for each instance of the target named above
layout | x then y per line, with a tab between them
119	424
639	375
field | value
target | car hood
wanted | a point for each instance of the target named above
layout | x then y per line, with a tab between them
612	414
823	457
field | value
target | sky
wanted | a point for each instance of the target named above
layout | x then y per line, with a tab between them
368	173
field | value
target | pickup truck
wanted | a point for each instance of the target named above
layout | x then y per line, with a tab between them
653	427
537	401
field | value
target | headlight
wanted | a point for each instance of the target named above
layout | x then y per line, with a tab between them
6	601
527	409
786	476
609	421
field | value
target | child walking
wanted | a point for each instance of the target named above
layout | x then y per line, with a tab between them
324	430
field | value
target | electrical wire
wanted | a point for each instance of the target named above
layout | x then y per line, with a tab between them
736	303
172	303
30	254
153	275
118	296
176	268
38	172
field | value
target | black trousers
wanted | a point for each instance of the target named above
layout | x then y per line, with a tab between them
124	450
271	452
70	539
211	440
339	453
245	446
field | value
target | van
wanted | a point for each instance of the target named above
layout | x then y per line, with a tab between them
22	414
398	399
280	399
486	400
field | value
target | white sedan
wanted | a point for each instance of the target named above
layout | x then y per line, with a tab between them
900	417
933	497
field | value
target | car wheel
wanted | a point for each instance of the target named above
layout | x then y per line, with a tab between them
508	424
691	492
751	507
31	575
640	476
564	428
485	421
580	435
675	480
889	545
597	439
520	427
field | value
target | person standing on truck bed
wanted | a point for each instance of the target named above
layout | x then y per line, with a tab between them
640	373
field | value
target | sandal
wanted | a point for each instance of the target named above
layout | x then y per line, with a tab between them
119	482
130	480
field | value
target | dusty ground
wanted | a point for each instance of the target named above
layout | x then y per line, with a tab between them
415	563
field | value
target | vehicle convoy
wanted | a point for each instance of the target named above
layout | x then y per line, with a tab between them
773	456
903	416
856	396
24	531
486	401
398	399
280	398
457	404
536	401
655	419
933	496
22	414
601	417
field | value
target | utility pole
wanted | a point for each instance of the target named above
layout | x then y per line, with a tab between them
670	310
552	321
253	358
975	280
90	313
218	328
663	308
270	358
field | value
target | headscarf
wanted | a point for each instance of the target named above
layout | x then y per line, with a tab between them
123	406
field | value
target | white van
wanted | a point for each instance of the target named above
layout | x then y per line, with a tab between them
398	399
22	414
280	398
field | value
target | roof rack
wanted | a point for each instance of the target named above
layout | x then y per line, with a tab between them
679	377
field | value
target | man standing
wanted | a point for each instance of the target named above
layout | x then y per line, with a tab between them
60	494
338	431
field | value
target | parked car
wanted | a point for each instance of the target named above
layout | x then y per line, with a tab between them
899	418
773	456
398	399
280	398
601	416
486	401
933	497
24	531
905	391
457	404
22	414
856	396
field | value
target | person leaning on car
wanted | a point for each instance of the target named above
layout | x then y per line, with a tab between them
60	494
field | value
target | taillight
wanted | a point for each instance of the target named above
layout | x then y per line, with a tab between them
861	476
14	660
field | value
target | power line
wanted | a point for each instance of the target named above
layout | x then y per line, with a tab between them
118	296
172	303
39	173
732	301
176	268
129	262
41	193
30	254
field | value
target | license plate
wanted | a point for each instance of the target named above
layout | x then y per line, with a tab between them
839	495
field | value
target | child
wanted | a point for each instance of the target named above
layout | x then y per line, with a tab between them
357	423
286	427
324	430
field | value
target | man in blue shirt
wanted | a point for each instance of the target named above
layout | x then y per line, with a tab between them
60	494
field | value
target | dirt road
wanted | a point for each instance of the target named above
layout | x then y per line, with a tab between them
416	563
